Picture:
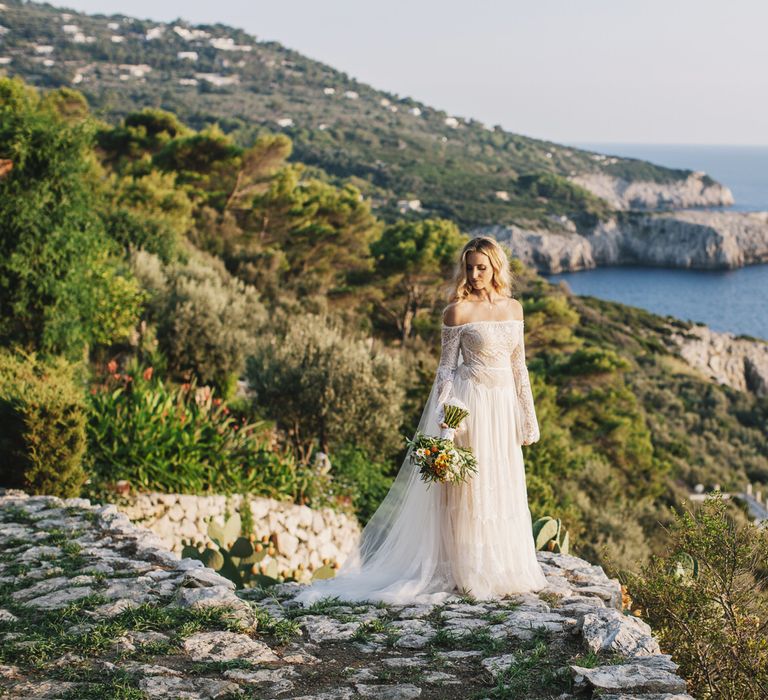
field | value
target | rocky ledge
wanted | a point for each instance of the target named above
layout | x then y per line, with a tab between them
93	606
687	239
740	363
697	190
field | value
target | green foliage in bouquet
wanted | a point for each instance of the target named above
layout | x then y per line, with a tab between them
550	535
440	460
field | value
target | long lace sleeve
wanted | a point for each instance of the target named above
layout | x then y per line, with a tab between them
446	368
528	427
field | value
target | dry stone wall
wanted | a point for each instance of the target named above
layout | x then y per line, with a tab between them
303	535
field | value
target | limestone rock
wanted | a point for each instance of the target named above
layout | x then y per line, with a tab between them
403	691
321	628
173	688
653	674
739	363
60	599
610	630
694	191
687	239
496	665
227	646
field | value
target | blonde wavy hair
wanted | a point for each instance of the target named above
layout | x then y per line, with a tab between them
501	281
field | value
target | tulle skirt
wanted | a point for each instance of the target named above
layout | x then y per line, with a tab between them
427	542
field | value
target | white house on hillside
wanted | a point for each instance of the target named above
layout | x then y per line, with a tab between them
406	205
228	44
134	70
155	33
190	34
218	80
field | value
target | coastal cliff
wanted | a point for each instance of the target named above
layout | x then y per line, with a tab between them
697	190
688	239
740	363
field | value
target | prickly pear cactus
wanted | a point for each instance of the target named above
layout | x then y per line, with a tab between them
550	535
247	561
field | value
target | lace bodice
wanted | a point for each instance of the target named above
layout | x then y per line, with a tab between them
492	353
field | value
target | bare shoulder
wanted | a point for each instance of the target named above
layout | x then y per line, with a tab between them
452	314
515	309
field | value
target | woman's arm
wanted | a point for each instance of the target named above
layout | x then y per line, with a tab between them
446	368
528	428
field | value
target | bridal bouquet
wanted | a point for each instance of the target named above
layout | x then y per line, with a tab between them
438	458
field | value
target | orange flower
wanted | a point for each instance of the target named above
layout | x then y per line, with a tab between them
116	375
112	367
148	373
434	448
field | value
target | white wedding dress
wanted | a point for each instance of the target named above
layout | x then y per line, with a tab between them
427	542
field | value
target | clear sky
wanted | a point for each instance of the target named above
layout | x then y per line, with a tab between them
652	71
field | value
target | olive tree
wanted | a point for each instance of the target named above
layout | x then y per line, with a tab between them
326	388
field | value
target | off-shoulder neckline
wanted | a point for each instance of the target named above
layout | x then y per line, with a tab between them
471	323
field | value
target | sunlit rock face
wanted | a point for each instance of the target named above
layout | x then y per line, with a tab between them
695	191
702	240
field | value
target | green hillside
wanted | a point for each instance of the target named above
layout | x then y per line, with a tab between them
394	148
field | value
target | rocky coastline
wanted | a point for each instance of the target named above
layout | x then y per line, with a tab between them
704	240
697	190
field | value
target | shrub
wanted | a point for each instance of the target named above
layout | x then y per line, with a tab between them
42	426
365	480
206	318
184	440
324	388
707	601
178	440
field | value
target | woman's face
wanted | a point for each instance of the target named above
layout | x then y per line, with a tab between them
479	271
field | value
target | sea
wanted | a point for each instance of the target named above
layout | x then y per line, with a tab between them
728	300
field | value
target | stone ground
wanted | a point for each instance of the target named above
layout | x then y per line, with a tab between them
92	606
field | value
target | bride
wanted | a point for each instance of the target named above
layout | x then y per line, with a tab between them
423	544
